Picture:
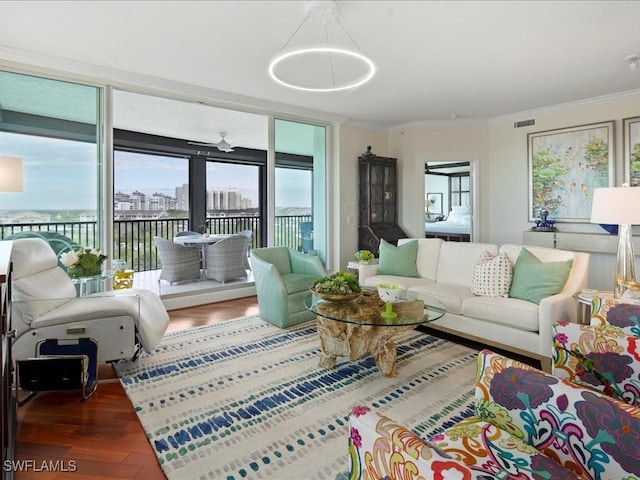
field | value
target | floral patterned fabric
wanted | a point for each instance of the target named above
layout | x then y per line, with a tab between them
600	357
616	313
528	425
604	355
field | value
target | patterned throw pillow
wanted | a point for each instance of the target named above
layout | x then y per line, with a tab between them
492	275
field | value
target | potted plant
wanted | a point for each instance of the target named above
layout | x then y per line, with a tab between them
83	262
364	256
339	286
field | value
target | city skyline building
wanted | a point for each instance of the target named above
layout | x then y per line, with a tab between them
229	198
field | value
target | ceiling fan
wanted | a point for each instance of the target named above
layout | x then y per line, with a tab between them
222	145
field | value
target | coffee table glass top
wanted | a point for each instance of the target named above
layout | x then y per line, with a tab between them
367	309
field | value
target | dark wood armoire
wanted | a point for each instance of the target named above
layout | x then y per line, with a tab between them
378	203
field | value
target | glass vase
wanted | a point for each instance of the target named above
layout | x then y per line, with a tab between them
79	271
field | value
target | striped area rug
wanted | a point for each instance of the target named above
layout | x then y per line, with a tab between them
246	400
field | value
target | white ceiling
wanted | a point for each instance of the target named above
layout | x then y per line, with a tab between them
435	59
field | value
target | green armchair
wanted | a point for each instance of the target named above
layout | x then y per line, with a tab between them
283	277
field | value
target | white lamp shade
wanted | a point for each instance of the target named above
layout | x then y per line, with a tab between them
616	206
11	174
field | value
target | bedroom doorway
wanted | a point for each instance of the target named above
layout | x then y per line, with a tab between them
448	201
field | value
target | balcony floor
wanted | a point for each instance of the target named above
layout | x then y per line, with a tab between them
192	293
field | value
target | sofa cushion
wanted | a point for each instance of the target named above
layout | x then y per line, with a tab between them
298	282
457	261
503	311
400	260
405	282
492	275
451	295
534	280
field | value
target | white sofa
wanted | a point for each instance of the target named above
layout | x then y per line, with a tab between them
446	271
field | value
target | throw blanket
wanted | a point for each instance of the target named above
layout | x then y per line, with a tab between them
244	399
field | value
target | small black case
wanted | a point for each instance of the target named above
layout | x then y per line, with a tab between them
60	365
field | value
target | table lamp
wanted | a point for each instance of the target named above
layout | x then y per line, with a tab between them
11	174
620	205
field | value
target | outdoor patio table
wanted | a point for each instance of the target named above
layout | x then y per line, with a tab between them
201	241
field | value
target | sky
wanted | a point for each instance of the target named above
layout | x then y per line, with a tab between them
61	175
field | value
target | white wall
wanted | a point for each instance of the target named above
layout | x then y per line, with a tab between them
508	188
501	155
351	142
414	146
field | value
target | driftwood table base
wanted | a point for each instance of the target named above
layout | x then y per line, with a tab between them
341	339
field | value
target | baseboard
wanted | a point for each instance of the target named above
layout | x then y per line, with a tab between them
203	298
478	343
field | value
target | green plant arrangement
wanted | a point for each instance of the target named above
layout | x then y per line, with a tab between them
364	256
339	283
83	262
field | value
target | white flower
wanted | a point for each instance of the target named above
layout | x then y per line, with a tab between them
69	259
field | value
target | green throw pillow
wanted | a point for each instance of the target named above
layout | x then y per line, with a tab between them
534	280
399	260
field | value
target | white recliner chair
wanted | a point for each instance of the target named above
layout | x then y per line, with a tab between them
45	306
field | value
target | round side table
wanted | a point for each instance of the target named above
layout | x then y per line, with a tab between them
584	298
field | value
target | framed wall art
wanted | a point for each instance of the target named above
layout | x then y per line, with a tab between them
632	151
565	165
434	203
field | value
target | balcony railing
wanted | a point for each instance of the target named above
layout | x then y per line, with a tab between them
133	239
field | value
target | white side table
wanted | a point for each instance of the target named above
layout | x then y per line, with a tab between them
584	298
93	284
354	266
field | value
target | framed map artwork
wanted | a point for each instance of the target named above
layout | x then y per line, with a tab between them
632	151
565	165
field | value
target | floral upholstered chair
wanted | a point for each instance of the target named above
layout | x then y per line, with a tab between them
604	355
527	425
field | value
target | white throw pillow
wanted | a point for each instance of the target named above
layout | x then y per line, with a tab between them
492	275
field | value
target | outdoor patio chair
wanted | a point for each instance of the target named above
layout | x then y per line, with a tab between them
249	235
179	262
225	258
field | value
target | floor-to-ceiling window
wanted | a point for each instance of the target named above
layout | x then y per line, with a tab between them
53	127
233	199
150	198
300	186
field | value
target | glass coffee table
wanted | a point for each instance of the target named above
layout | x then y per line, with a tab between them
358	327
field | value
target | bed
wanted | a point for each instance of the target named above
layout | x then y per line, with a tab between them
456	228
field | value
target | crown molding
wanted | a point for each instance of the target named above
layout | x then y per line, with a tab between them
565	106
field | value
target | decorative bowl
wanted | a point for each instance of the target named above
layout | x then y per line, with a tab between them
389	292
338	298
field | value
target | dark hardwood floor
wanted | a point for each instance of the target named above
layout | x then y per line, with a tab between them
60	437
